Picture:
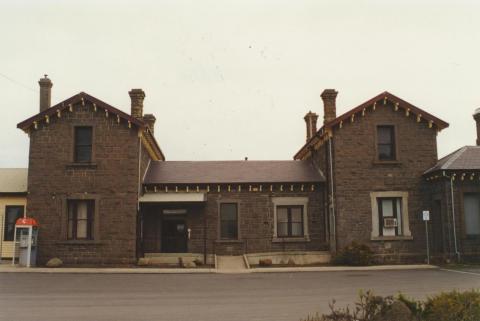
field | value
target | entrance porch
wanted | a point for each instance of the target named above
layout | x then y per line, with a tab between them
173	226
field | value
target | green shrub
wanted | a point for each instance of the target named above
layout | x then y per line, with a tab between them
354	254
453	306
450	306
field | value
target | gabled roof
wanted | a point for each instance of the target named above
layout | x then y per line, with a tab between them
13	180
223	172
371	105
465	158
83	98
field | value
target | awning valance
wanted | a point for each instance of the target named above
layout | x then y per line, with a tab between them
172	197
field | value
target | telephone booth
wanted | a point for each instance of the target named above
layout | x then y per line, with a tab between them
25	238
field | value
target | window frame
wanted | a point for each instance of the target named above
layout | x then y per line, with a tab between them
291	201
397	214
75	145
393	144
72	235
463	217
220	220
290	221
6	224
375	232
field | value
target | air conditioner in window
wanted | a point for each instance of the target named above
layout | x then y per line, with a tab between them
390	222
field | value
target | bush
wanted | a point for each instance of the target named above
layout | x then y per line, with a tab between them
450	306
453	306
354	254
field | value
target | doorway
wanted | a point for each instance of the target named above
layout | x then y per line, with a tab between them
174	235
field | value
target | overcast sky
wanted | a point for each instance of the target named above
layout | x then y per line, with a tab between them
229	79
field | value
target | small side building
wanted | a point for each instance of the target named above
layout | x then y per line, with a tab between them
13	200
454	183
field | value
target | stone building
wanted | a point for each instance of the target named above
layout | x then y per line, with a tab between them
103	193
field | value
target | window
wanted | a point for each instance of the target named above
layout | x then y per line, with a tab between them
80	220
12	213
229	221
386	143
471	205
83	144
289	221
390	216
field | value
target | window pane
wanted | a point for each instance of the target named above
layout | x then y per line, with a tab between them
297	214
70	229
399	216
472	214
82	229
282	229
12	213
385	152
228	221
282	214
83	144
385	134
387	207
83	154
80	219
228	230
386	142
82	213
83	135
228	211
297	229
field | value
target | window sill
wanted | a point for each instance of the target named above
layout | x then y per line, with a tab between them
387	162
472	237
291	239
392	238
79	242
81	166
228	241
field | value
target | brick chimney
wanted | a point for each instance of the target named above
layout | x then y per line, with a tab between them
329	106
150	120
45	93
311	121
137	96
476	116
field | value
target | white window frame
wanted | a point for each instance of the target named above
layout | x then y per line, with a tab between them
375	235
291	201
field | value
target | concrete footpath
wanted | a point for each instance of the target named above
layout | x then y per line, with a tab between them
14	269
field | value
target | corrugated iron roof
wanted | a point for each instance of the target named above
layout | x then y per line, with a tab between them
13	180
222	172
465	158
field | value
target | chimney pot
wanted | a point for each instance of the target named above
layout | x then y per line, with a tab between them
150	120
476	116
311	122
329	97
45	93
137	96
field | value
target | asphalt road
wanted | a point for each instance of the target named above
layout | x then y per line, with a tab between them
211	297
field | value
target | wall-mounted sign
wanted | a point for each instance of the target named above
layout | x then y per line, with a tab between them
426	215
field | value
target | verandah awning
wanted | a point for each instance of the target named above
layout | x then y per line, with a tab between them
172	197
